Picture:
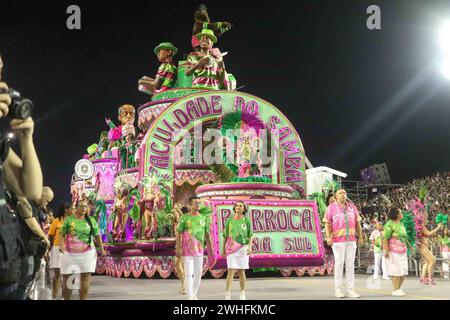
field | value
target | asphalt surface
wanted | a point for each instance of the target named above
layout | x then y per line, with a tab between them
261	288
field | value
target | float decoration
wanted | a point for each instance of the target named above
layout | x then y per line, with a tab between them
141	173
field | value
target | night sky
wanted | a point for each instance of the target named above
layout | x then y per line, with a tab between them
356	96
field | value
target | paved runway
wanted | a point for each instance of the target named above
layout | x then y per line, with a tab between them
261	288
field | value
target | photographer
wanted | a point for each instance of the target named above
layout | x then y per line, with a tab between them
22	176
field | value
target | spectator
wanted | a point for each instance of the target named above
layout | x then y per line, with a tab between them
22	177
376	242
445	251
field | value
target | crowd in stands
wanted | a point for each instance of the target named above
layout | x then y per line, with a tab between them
437	199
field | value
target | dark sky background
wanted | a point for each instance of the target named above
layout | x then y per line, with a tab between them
356	96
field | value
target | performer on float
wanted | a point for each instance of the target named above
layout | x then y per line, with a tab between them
395	242
202	21
156	202
165	77
193	228
208	70
237	246
423	242
178	213
343	234
121	215
376	242
444	242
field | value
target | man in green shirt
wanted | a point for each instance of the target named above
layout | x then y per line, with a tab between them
193	230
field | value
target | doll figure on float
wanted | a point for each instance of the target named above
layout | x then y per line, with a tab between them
165	77
127	149
126	118
206	65
121	215
203	21
102	146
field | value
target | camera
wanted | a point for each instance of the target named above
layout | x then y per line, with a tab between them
20	108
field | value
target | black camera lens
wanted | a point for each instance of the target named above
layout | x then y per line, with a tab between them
20	108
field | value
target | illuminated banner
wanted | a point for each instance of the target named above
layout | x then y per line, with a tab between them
286	233
158	146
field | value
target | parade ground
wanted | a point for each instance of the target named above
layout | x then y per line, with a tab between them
261	288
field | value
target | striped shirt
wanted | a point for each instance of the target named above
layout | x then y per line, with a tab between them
207	76
167	72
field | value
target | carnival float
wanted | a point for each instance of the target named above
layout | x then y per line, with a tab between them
198	136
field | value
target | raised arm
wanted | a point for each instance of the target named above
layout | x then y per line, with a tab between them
24	175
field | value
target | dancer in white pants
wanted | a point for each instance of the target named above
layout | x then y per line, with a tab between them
192	230
193	267
342	224
376	241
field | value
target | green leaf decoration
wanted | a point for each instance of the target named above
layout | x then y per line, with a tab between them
408	222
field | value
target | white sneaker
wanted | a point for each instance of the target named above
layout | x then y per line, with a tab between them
375	278
398	293
242	296
386	278
402	292
191	298
352	294
228	296
195	298
338	293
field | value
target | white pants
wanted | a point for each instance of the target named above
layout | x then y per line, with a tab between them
193	269
379	257
344	254
445	255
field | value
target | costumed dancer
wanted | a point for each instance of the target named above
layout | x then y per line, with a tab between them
444	241
376	242
208	69
395	241
65	211
423	242
192	229
178	213
79	256
237	247
343	234
165	77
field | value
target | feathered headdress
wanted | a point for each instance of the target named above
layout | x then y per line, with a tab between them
418	210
